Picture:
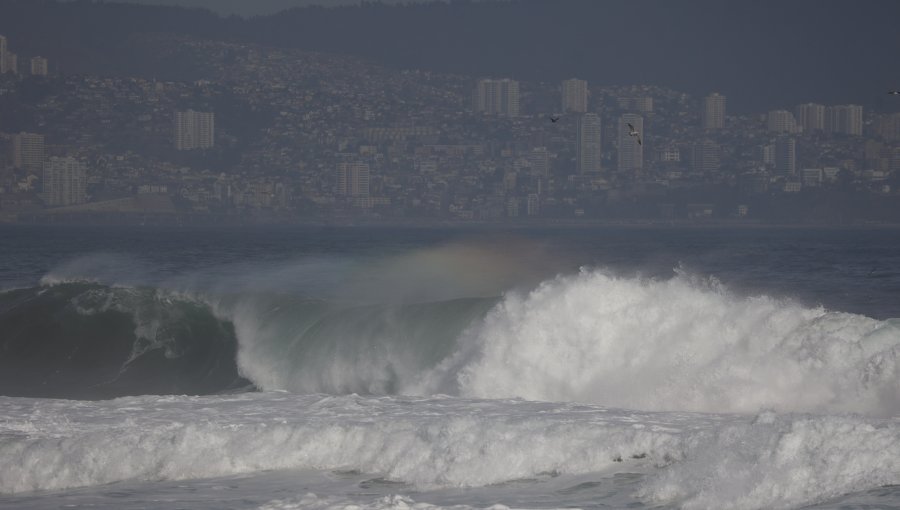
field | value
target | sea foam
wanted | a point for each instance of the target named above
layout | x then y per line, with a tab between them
679	344
311	501
435	442
689	460
782	462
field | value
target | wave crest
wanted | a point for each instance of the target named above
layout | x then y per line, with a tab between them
679	344
685	343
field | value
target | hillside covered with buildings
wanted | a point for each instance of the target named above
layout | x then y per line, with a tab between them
268	133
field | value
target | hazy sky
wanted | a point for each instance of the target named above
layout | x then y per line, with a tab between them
254	7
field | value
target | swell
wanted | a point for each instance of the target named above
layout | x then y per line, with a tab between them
89	341
85	340
677	344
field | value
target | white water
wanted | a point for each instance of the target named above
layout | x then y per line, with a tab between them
680	344
683	343
430	443
617	375
433	444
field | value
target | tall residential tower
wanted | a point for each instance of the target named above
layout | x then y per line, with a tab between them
497	97
588	149
781	121
194	130
844	119
3	63
631	153
353	179
28	151
65	180
39	66
810	116
786	156
712	114
574	96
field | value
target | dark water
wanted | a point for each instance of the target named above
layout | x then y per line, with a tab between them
853	270
98	324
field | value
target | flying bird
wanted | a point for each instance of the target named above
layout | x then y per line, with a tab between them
634	132
554	118
894	92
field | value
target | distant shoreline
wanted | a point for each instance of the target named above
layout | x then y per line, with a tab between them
232	222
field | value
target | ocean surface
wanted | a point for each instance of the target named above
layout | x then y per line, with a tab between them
421	368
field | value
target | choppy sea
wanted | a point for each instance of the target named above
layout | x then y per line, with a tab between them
376	368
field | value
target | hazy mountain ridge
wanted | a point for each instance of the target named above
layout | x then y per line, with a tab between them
760	54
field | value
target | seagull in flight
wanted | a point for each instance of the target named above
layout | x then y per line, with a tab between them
554	118
894	92
634	132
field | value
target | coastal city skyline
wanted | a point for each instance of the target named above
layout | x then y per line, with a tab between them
288	135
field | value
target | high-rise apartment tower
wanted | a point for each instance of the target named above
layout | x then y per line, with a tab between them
195	130
781	121
39	66
631	153
353	179
588	148
497	97
786	156
712	113
844	119
810	117
28	151
574	96
65	180
3	63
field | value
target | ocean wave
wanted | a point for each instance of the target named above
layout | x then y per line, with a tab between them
427	442
683	343
323	347
689	460
86	341
678	344
782	462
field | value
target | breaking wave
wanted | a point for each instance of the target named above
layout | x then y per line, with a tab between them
88	341
660	344
583	372
683	344
427	442
679	344
691	460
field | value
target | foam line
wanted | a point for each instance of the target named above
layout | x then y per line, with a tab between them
691	460
434	442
